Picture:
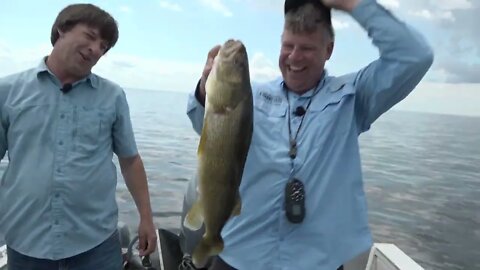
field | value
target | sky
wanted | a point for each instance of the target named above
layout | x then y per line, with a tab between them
163	44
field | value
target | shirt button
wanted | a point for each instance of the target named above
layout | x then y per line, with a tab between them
56	222
60	142
59	170
57	195
62	116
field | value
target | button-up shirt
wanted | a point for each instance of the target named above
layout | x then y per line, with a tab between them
57	195
335	228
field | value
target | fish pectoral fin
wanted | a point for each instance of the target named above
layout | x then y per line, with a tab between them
203	138
237	209
194	218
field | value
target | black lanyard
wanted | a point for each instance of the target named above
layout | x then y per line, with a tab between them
294	189
293	141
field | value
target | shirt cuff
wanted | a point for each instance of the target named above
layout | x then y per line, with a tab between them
197	94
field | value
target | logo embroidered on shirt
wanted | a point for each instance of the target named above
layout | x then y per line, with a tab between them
270	99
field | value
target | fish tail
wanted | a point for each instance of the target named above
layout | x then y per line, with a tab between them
206	248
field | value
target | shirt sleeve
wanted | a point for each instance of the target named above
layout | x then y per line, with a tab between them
405	57
3	139
3	118
124	144
196	110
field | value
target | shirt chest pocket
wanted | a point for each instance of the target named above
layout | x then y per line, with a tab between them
333	113
269	120
92	128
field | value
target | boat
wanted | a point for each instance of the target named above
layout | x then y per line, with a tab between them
3	257
168	255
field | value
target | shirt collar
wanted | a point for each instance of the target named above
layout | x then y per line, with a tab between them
42	68
310	92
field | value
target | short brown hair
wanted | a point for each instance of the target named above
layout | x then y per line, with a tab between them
90	15
307	17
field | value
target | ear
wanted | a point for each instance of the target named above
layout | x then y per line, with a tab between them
60	33
329	49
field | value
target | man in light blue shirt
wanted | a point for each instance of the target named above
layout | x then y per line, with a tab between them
305	141
61	124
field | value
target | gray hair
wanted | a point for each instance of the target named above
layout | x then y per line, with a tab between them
307	18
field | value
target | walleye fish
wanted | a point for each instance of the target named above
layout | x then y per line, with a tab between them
222	151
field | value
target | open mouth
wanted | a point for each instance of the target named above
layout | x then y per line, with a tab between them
86	59
295	69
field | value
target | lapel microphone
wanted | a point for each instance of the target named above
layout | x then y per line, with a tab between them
299	111
66	88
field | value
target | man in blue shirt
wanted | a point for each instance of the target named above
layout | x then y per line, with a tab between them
61	124
305	141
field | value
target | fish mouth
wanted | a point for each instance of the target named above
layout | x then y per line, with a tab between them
231	48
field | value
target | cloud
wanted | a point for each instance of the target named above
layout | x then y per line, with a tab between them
340	24
393	4
272	5
14	60
170	6
453	70
444	98
127	70
158	74
435	6
455	38
125	9
217	5
462	51
451	4
262	68
149	73
122	64
277	6
429	15
132	71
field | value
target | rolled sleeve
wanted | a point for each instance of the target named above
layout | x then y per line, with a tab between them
124	144
3	140
3	118
195	111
